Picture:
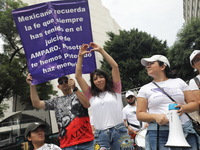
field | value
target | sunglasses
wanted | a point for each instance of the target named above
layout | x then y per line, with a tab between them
129	97
196	60
62	82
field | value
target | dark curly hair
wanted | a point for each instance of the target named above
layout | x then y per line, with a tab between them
109	82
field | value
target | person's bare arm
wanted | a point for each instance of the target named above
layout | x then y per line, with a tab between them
84	101
36	102
125	123
143	115
109	59
197	95
129	128
78	75
192	103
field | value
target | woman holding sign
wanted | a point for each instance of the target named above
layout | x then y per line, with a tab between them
105	101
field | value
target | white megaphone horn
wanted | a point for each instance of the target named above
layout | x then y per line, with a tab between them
176	136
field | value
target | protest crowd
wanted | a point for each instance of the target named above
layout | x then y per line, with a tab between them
163	115
144	123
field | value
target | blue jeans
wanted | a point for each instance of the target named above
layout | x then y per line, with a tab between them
151	137
115	138
82	146
163	138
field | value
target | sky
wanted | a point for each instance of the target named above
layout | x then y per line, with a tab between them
160	18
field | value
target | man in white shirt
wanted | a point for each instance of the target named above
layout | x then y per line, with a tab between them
129	115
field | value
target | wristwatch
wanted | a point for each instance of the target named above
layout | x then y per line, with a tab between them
75	89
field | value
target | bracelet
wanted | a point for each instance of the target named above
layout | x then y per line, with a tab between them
75	89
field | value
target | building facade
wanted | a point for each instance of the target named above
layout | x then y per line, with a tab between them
191	9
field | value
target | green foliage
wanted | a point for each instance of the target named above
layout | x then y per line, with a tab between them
13	67
127	49
8	30
188	39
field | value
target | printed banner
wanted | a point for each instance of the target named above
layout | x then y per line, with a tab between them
51	35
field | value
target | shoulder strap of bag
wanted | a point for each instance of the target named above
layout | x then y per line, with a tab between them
164	91
170	97
197	81
140	124
198	84
133	125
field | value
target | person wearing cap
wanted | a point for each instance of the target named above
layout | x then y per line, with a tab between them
131	122
129	115
105	99
35	133
71	114
152	103
194	83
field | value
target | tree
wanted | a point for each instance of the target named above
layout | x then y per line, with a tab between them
188	39
13	67
127	49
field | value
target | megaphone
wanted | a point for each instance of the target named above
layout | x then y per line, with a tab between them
176	136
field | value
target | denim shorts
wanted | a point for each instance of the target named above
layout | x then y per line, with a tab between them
115	138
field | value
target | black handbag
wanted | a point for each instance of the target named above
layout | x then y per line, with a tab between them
196	124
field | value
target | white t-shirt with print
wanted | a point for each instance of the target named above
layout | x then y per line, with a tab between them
158	102
129	113
193	85
49	147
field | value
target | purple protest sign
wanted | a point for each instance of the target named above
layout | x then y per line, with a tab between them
51	35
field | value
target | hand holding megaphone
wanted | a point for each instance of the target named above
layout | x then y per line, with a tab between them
161	119
176	136
180	109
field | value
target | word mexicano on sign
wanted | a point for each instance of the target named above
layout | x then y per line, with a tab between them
48	12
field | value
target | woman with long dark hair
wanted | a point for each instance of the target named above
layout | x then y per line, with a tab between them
105	102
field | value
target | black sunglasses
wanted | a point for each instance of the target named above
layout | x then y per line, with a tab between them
62	82
129	97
